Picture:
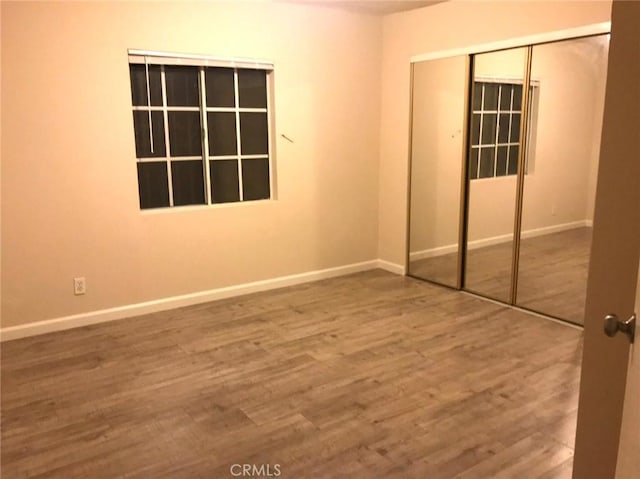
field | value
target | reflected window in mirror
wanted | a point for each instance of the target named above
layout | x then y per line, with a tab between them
495	127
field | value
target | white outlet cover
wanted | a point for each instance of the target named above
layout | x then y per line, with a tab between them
79	286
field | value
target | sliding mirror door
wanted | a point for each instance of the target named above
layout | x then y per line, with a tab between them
438	124
515	225
495	141
567	90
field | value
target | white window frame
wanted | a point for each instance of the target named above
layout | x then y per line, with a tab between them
202	62
530	126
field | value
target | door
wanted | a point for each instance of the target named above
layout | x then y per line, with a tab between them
566	102
613	269
438	119
629	453
495	134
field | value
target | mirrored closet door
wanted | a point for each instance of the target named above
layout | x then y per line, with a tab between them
437	153
494	148
565	122
504	161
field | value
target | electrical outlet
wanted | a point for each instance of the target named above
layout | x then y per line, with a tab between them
553	210
79	286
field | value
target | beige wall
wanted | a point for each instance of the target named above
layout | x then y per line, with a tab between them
69	187
446	26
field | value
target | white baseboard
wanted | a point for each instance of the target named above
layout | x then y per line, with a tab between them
556	228
433	252
481	243
391	267
121	312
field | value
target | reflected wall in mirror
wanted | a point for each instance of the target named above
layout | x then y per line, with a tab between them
437	148
494	133
568	79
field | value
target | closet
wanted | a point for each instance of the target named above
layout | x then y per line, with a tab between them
504	154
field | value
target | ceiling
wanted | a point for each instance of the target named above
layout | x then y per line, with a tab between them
376	7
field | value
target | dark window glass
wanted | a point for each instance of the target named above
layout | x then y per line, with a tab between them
473	163
219	87
486	162
138	76
188	182
184	133
182	86
222	133
477	96
501	166
224	181
255	179
142	134
514	137
517	97
254	137
491	96
182	129
153	186
489	128
475	129
513	160
497	128
252	88
505	98
503	128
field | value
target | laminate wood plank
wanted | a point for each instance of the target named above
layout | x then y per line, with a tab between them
368	375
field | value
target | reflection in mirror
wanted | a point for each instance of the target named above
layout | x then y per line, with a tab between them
438	123
492	168
568	81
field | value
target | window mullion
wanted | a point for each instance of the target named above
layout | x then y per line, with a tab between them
495	149
528	128
510	123
480	135
146	73
205	137
238	141
269	138
166	132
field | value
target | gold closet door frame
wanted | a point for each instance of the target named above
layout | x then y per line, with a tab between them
466	182
522	156
462	210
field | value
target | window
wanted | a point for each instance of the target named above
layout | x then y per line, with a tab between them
202	130
495	128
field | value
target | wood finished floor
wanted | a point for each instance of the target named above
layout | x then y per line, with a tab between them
552	275
366	376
